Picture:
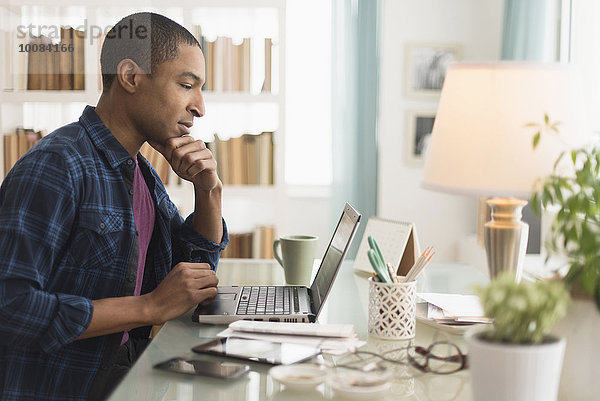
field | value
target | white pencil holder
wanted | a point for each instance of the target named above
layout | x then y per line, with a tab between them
392	310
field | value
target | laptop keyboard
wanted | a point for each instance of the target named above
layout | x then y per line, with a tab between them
263	300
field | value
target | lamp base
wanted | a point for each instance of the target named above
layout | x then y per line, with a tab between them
506	237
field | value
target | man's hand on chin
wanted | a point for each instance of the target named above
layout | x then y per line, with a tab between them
191	160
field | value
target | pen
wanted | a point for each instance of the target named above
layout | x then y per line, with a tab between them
379	269
374	246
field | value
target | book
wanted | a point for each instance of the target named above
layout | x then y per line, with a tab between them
268	237
236	67
78	60
34	77
218	64
227	64
6	81
265	144
267	82
52	69
11	151
19	64
245	67
45	62
209	65
250	150
237	161
65	60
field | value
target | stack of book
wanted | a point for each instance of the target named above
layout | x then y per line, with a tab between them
257	244
56	66
228	64
245	160
17	144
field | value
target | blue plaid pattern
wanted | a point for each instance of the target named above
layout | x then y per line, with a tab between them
66	236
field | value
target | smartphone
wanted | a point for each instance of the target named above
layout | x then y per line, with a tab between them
197	367
258	350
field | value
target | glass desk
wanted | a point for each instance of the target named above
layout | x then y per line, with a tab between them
347	303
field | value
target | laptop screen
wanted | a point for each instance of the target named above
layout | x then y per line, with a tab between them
340	242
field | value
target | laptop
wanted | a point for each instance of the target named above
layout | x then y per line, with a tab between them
284	303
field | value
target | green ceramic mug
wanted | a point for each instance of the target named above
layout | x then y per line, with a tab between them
297	257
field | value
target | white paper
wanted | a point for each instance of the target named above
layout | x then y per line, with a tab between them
299	329
455	305
329	345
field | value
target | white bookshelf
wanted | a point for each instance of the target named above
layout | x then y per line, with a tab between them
270	199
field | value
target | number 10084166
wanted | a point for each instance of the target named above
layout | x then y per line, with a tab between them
43	47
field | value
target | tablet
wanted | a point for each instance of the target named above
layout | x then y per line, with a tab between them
258	350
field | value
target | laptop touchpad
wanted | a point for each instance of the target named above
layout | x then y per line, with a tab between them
226	297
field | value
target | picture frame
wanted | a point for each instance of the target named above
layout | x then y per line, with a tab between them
425	68
419	125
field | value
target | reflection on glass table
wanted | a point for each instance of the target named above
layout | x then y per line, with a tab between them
347	303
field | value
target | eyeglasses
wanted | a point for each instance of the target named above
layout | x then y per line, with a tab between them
440	357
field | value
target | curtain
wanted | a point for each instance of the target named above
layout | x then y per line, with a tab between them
355	43
531	30
531	33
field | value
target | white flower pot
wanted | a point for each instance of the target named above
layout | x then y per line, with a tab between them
514	372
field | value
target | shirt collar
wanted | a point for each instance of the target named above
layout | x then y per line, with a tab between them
104	140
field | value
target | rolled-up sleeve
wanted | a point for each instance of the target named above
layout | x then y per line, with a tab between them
193	247
37	209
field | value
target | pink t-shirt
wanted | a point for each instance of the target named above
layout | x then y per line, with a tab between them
143	215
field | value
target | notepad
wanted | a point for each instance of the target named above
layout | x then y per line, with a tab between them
335	339
454	305
396	239
298	329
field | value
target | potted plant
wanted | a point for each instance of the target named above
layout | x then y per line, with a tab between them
574	235
517	359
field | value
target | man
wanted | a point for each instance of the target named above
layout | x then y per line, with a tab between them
92	250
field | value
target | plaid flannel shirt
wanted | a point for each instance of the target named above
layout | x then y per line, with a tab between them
66	237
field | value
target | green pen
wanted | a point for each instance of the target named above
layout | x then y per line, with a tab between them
381	270
374	246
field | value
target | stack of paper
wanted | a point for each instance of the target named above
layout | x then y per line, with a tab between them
333	339
451	308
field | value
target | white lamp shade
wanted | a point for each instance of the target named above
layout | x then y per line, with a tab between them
480	143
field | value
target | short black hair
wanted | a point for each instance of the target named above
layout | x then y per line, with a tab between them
148	39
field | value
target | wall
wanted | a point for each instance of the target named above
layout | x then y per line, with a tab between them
441	220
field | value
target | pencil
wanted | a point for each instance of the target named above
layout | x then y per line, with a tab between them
414	273
417	262
393	274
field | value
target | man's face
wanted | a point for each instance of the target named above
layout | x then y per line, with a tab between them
167	103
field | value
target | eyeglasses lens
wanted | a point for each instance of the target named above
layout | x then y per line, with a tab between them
445	358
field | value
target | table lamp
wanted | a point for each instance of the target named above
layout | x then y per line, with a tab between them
482	145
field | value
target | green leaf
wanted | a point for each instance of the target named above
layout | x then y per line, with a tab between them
573	273
535	204
558	159
546	119
588	280
536	139
574	156
532	125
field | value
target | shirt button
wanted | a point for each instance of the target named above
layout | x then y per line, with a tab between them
131	192
130	162
130	279
102	226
